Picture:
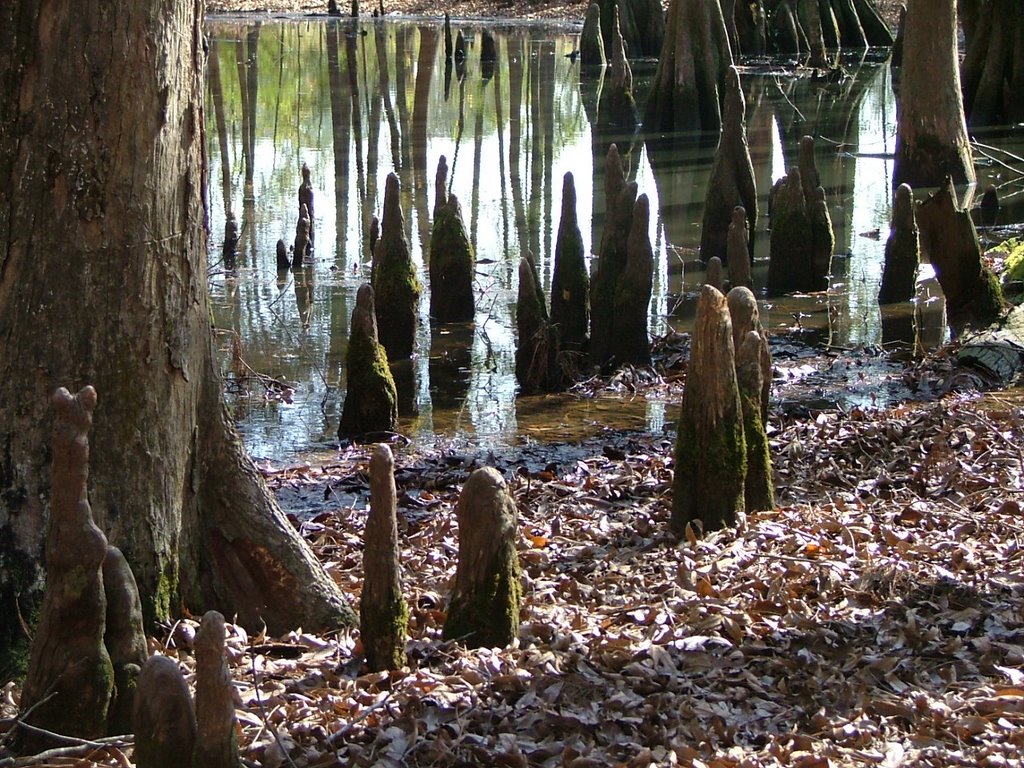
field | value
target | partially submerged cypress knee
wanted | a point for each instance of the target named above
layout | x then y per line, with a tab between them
731	183
383	613
216	744
810	179
301	249
738	250
452	259
537	343
710	453
230	240
283	262
902	250
759	492
620	197
570	284
791	266
371	244
68	658
484	607
950	240
371	400
124	637
592	55
306	199
631	342
165	720
618	102
395	286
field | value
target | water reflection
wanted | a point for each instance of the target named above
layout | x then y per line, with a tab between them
356	101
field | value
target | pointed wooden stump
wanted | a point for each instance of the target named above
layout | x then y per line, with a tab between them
902	250
165	720
371	398
631	343
758	490
484	606
124	637
68	661
570	284
216	744
711	454
383	613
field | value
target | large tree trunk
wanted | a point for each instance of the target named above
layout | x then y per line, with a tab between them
103	282
993	67
931	142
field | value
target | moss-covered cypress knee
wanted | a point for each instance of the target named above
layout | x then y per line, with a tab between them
371	399
790	266
484	607
737	248
537	344
710	454
759	492
124	637
396	288
383	613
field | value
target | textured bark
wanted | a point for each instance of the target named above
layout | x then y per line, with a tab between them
102	233
715	276
69	659
570	283
686	93
931	139
383	613
710	454
902	250
165	719
371	398
306	198
823	239
790	266
484	607
731	183
746	317
631	342
395	286
216	743
301	247
950	242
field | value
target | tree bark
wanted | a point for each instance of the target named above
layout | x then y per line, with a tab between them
993	67
931	140
103	282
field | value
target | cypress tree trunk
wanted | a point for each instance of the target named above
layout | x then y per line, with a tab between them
931	141
102	234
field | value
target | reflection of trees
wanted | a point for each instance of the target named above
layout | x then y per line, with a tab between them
341	119
217	96
515	133
246	61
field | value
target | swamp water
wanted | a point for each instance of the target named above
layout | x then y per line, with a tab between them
355	101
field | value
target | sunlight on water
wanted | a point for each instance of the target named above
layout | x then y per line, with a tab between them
355	107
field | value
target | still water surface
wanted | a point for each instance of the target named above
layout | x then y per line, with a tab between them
357	101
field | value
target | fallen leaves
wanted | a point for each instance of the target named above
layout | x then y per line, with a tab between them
873	618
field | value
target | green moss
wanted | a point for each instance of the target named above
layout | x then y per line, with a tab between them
489	618
384	632
710	473
371	400
988	304
452	261
166	595
1013	268
758	491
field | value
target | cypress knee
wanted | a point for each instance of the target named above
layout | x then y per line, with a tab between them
738	250
165	719
124	637
484	607
371	399
216	743
396	288
452	259
710	453
631	341
383	613
68	658
902	250
758	491
570	284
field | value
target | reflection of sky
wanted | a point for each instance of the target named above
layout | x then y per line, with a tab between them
266	314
